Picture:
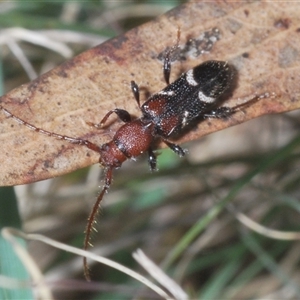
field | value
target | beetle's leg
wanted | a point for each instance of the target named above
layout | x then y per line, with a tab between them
152	159
225	111
167	60
121	113
220	112
136	92
176	148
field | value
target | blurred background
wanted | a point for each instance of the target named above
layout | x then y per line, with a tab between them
223	221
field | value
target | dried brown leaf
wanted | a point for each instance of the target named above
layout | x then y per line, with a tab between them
261	40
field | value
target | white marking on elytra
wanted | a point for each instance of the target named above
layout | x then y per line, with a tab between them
184	120
205	99
190	78
168	93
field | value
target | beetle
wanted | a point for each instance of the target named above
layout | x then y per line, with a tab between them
166	113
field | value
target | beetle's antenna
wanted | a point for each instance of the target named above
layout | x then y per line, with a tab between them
69	139
77	141
92	220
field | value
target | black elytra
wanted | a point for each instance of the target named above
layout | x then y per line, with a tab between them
193	94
